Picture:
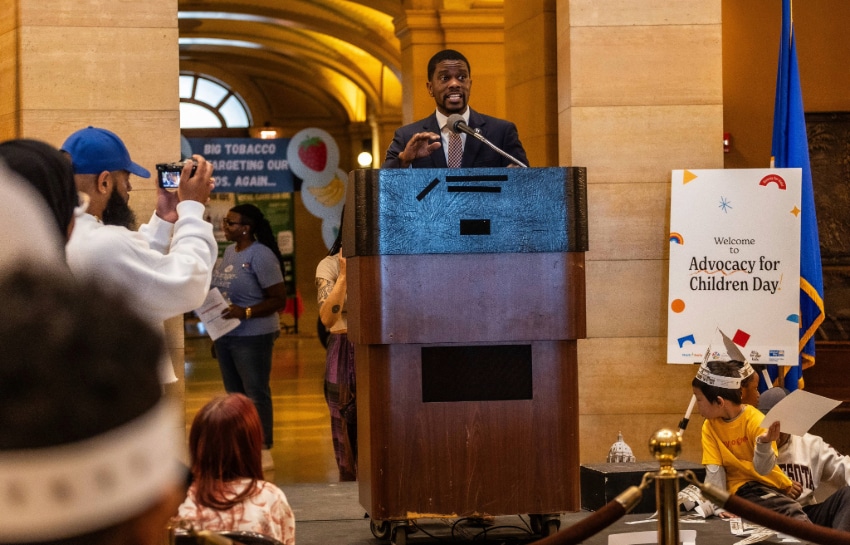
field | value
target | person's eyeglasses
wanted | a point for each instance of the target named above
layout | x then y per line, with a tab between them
231	223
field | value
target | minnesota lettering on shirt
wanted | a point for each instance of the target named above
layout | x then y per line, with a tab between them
801	474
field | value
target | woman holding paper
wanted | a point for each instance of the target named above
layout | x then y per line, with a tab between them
250	278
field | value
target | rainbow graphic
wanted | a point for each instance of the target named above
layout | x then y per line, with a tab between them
677	238
773	179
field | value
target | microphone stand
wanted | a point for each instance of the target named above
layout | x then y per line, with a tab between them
457	124
476	133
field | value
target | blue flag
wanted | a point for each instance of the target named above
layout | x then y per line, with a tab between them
791	150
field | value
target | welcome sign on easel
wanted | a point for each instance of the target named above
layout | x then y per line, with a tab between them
735	263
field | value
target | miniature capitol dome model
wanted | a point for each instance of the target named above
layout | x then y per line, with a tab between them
620	451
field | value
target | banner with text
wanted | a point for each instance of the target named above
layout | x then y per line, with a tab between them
734	264
247	165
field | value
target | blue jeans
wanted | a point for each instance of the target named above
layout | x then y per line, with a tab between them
246	366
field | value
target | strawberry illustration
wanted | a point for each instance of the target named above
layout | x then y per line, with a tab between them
313	153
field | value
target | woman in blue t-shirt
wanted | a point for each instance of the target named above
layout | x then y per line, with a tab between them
249	277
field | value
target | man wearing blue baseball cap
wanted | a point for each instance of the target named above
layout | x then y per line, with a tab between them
165	266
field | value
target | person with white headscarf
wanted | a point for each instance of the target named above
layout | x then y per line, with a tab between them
89	447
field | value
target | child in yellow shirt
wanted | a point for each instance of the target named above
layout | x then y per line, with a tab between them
737	452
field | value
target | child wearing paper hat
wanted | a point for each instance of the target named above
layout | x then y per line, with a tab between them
736	451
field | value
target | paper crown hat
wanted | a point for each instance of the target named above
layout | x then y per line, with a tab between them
733	353
705	375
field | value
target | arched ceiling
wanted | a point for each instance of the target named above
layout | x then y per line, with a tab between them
297	62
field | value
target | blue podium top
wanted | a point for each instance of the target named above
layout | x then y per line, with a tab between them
461	211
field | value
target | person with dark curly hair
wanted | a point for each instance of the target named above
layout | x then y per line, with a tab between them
49	172
249	276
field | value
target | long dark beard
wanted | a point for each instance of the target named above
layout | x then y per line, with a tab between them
118	212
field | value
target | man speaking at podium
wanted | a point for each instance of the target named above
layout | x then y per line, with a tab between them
442	140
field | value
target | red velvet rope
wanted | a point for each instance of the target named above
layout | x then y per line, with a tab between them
787	525
586	527
748	510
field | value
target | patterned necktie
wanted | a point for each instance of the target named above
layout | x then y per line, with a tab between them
455	150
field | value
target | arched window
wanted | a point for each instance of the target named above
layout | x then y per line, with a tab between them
208	104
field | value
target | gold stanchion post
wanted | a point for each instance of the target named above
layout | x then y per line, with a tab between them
666	446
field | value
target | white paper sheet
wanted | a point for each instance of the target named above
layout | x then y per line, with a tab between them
210	314
799	411
686	537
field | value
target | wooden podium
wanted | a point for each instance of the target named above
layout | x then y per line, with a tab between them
466	295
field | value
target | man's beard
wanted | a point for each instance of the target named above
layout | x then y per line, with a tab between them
118	212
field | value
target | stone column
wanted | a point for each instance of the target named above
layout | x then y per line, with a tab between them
477	32
639	94
357	133
421	36
531	77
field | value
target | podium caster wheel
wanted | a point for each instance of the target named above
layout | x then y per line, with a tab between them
399	535
380	528
536	524
545	525
550	527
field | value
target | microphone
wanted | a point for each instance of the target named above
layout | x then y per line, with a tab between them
457	125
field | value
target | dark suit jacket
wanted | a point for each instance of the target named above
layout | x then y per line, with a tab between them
475	153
